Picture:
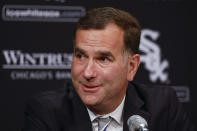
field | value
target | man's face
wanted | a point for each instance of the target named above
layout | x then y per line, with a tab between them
100	68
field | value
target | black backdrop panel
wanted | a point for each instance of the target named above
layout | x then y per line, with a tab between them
36	48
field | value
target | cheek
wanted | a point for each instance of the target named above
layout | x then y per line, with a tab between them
76	68
75	71
114	73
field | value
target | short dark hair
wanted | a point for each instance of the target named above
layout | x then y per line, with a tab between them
98	18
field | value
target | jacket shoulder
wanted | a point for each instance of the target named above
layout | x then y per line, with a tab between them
155	93
164	107
52	98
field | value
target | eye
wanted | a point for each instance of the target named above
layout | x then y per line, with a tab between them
79	55
104	59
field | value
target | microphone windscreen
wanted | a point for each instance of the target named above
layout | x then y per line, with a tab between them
136	122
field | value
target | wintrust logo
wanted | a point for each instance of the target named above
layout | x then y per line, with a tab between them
16	59
37	66
151	56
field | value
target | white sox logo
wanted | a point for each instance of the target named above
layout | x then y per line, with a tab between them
151	56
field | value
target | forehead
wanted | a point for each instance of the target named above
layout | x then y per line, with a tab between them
111	37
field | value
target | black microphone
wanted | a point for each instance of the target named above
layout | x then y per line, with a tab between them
137	123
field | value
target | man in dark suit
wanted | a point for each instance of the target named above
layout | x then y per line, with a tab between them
105	61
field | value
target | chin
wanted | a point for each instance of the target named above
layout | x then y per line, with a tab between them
90	100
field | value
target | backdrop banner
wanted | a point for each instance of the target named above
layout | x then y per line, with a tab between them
37	45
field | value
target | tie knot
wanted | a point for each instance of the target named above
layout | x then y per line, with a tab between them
103	123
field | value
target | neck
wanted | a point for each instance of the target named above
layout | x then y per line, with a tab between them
105	109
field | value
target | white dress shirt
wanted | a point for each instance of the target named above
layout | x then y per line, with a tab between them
116	124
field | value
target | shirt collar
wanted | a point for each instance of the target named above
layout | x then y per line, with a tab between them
116	114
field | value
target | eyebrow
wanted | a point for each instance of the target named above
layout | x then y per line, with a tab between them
76	49
105	54
98	53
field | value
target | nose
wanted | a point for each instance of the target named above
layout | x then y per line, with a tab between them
90	70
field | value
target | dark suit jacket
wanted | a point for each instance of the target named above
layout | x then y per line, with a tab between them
62	110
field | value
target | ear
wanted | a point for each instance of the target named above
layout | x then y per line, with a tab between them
133	64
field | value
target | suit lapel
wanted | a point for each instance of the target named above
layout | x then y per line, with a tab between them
74	114
81	120
134	105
